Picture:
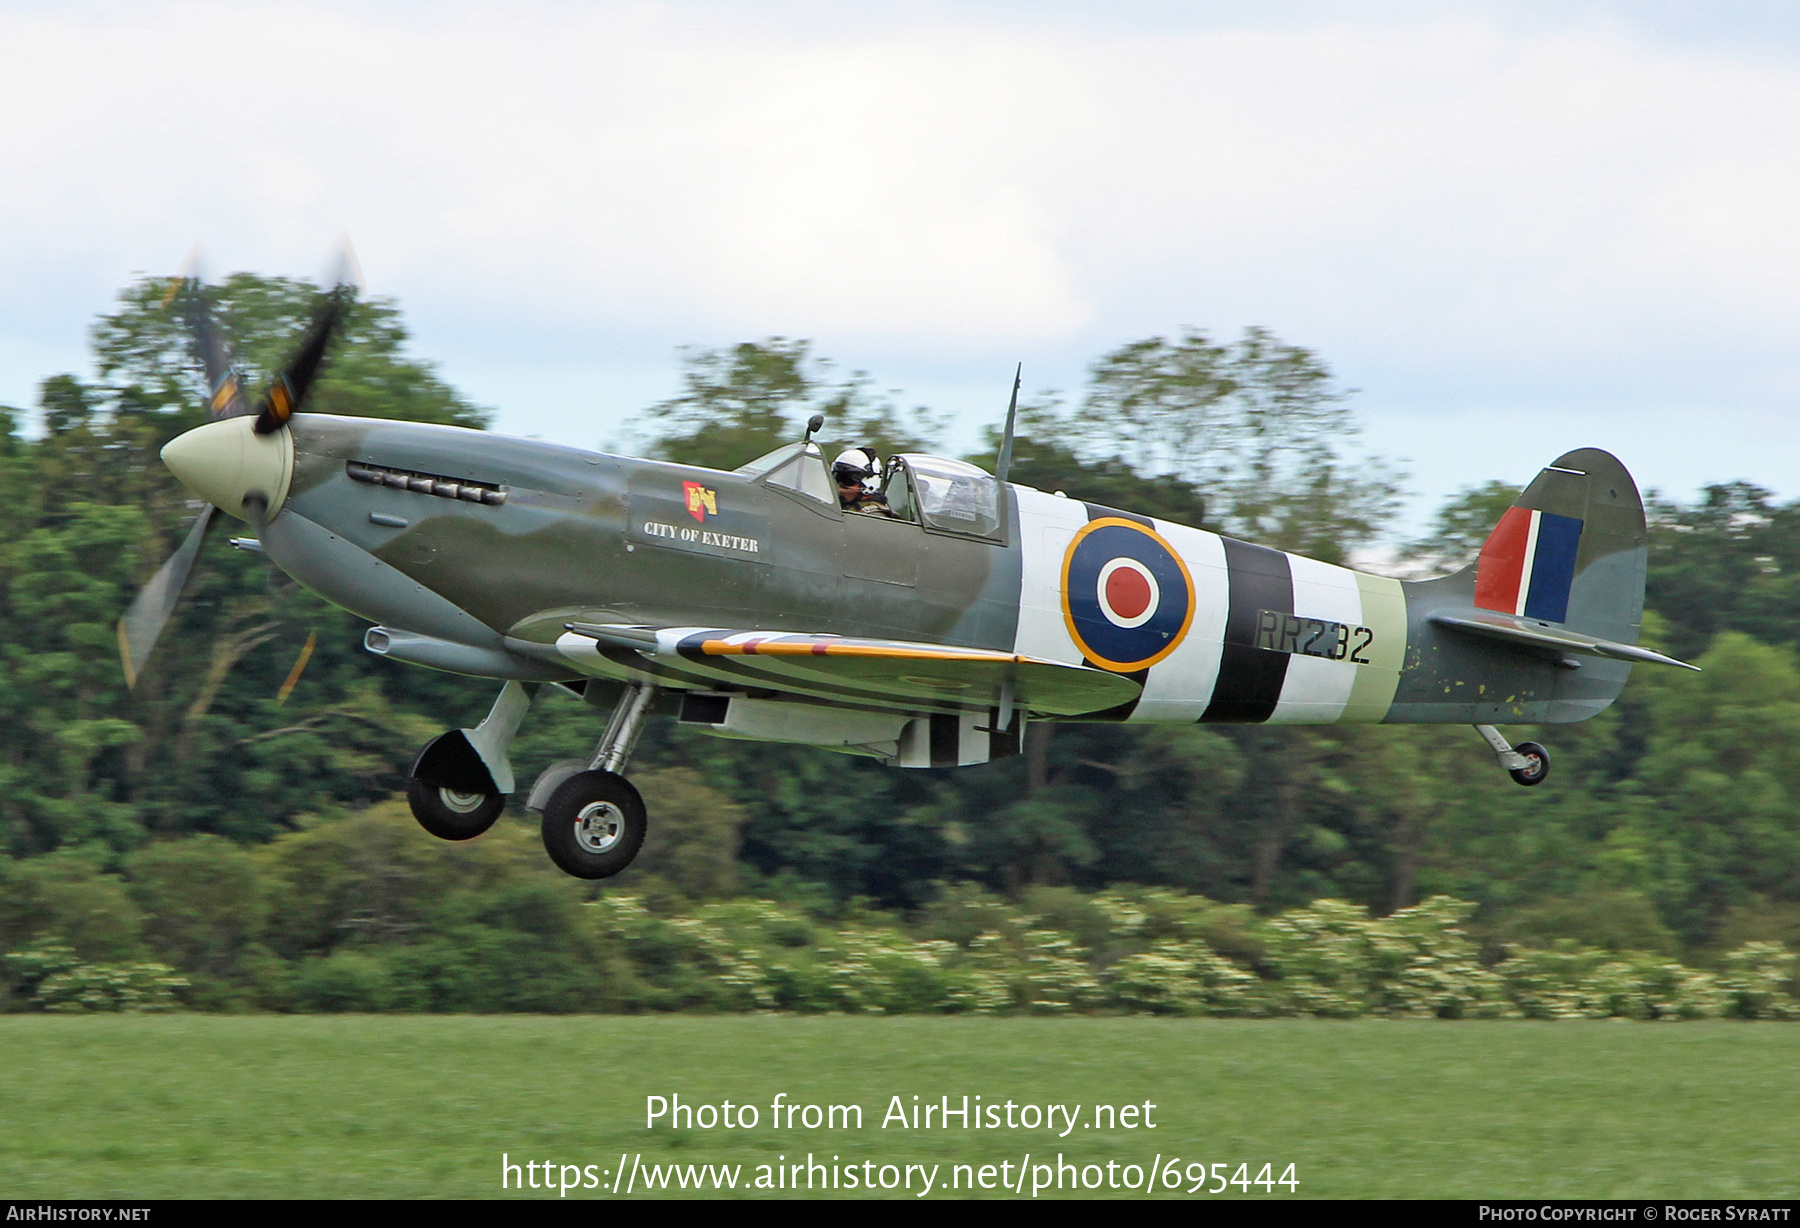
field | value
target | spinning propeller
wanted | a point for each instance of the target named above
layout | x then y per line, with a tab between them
197	457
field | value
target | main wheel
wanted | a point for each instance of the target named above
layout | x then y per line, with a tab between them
594	824
1536	769
452	815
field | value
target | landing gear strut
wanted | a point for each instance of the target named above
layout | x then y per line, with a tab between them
594	820
1528	763
459	782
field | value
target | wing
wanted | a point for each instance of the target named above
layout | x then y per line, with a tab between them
888	673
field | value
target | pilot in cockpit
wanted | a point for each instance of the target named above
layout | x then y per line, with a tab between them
851	471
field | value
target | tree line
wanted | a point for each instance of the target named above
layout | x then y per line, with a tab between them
1671	828
366	913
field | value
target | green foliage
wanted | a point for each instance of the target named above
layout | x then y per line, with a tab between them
202	745
146	358
692	848
1728	562
1334	961
1567	981
205	912
1721	786
1042	460
741	402
52	977
1462	525
1758	982
849	825
346	980
368	913
254	848
1185	978
65	403
9	430
1256	425
1759	919
1612	920
68	897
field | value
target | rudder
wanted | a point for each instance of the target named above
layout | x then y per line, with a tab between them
1572	549
1543	627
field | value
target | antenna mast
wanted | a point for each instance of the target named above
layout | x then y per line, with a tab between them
1006	440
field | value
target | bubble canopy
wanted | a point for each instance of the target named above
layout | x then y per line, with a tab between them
953	495
950	496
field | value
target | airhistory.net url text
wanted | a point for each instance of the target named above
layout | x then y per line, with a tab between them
1021	1177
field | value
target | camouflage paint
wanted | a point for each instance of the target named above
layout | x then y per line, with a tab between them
1267	636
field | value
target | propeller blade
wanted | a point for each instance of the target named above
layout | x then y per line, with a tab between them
190	272
293	678
143	623
222	377
256	511
289	390
347	269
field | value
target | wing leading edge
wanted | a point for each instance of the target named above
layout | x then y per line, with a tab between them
887	673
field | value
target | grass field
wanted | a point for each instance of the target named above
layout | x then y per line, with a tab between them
409	1106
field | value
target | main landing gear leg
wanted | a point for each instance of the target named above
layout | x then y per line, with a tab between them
594	820
459	782
1528	763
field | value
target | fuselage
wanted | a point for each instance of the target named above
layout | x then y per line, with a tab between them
498	544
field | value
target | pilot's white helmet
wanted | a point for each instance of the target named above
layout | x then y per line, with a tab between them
855	466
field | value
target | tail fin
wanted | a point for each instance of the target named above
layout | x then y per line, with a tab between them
1544	625
1571	550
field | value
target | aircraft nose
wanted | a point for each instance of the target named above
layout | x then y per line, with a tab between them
225	462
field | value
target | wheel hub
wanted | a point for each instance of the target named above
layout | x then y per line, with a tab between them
461	803
599	826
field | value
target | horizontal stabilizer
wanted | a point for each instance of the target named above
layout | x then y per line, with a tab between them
1530	633
889	673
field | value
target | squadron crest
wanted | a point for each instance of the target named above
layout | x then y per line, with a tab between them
701	501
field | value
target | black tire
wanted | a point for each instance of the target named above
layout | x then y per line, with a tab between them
450	815
1539	767
594	824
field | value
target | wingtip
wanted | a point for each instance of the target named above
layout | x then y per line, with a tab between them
1659	658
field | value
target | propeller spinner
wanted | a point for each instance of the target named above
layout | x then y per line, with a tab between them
237	463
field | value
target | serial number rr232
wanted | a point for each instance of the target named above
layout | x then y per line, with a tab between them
1312	637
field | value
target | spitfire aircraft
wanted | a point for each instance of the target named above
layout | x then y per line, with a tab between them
752	604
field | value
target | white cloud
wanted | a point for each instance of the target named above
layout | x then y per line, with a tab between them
616	165
1461	215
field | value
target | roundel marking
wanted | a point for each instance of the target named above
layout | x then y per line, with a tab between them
1127	597
1128	593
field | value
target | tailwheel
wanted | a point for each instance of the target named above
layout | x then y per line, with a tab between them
594	824
1537	764
1528	763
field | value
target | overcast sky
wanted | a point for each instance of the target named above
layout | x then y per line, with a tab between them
1514	228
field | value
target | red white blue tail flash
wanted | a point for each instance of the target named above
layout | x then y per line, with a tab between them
1528	564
